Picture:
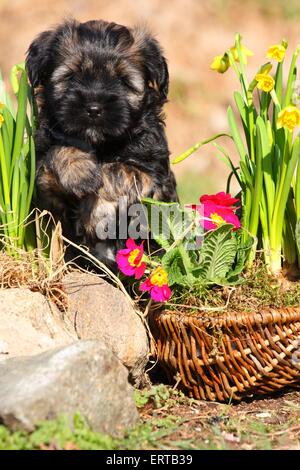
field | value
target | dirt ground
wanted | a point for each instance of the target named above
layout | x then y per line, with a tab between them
191	32
272	423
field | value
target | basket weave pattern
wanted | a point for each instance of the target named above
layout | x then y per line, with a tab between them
232	356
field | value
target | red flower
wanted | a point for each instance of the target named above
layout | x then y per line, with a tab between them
157	285
219	199
129	259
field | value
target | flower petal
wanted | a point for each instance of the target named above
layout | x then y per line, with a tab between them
140	270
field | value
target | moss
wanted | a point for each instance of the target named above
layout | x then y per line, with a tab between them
257	290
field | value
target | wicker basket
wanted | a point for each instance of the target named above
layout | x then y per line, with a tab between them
232	356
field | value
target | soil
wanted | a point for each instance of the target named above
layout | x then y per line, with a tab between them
269	423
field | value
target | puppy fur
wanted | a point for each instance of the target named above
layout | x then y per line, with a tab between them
100	88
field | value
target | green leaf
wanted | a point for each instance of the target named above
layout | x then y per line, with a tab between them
258	186
217	254
267	165
168	223
175	265
20	120
242	253
236	135
297	235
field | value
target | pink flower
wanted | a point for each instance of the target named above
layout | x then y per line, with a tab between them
157	285
219	199
129	259
214	216
217	209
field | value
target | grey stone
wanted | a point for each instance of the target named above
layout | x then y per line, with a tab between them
84	377
30	324
99	310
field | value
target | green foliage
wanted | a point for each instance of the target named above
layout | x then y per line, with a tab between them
57	434
297	233
62	434
217	254
161	396
17	161
219	258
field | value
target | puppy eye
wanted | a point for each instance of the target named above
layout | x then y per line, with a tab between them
128	84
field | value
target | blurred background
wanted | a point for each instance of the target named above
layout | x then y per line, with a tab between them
191	33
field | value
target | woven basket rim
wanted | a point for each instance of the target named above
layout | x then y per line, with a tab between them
265	316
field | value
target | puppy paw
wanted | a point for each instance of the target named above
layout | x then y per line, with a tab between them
78	172
82	180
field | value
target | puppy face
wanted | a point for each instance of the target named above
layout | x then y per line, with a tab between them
96	77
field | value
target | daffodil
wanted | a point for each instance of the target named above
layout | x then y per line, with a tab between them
1	120
220	63
289	117
265	82
245	52
277	52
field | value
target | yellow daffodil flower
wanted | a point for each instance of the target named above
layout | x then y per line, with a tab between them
1	120
277	52
265	82
244	51
289	117
220	63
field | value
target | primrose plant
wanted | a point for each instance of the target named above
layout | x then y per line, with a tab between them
186	256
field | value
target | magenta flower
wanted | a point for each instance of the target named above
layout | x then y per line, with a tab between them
157	285
214	216
217	209
129	259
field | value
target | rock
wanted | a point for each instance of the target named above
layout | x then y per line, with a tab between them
29	324
84	377
98	310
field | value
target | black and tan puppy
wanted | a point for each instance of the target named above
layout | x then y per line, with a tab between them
100	88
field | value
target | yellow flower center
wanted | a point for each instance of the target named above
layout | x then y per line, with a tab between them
159	277
132	257
289	117
217	219
276	52
265	82
1	120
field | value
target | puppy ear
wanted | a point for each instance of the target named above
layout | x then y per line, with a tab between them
38	58
156	68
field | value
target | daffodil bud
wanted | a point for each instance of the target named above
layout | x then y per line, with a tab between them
220	63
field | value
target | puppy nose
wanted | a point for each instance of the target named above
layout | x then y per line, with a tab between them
94	110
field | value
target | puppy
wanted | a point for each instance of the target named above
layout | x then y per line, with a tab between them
99	88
